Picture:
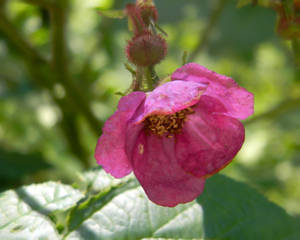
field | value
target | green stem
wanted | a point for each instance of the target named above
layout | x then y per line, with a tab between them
139	78
296	50
149	79
280	109
42	3
154	76
205	35
18	41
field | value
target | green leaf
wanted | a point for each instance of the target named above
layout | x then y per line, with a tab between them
123	211
234	211
14	165
119	209
24	213
112	13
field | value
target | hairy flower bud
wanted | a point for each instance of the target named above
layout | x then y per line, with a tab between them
146	49
148	13
288	28
135	20
288	21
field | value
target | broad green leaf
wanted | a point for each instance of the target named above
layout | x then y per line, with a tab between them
96	180
123	211
119	209
14	165
24	213
234	211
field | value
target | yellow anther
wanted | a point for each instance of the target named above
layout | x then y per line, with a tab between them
167	125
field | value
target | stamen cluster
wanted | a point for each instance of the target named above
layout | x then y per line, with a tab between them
167	125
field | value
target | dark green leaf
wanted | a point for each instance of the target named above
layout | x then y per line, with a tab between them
14	165
234	211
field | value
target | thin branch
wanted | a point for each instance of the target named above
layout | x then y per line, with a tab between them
296	50
41	3
18	41
211	23
60	62
280	109
41	75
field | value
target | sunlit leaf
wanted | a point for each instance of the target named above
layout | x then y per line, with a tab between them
24	213
124	212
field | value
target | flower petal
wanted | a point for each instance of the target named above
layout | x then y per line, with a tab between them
209	141
170	98
237	100
110	149
156	167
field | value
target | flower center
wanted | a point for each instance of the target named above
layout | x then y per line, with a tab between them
167	125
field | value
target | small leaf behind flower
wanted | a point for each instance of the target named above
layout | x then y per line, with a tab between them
115	14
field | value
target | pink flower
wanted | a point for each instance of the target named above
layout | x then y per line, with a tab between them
176	136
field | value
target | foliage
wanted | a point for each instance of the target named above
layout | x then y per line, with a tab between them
120	210
58	80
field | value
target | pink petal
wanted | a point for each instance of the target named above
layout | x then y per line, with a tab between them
237	100
209	141
171	97
110	149
156	167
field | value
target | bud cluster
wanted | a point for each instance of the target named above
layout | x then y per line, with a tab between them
146	48
288	21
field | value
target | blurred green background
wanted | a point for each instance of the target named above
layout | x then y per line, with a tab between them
59	75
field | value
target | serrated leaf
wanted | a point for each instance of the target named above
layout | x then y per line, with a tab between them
234	211
130	215
24	213
121	210
96	180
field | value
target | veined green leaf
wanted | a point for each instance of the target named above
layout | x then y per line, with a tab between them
24	213
124	212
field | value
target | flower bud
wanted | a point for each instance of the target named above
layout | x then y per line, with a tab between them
288	20
146	49
288	28
148	14
135	20
147	11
